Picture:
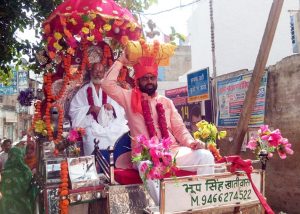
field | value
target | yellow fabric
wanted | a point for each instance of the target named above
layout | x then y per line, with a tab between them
134	52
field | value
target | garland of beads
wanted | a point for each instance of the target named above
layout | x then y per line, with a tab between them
63	188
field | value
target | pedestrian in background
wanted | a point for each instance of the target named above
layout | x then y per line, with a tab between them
5	146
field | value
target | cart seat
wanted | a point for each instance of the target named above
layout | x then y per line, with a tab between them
128	175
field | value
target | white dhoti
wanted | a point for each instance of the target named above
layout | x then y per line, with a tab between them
185	157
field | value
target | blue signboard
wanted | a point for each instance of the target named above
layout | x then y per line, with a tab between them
21	80
198	86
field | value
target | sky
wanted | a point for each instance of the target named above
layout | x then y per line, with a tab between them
176	18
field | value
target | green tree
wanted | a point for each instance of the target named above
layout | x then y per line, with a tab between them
18	15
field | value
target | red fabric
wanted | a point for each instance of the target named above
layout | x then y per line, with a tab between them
104	98
76	8
145	65
237	163
131	176
127	176
91	100
136	98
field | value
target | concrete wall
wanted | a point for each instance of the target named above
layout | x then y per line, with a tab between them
180	63
282	111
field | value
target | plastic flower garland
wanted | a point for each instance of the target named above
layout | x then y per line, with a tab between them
208	133
270	141
156	156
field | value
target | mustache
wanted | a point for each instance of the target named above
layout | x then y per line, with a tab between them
150	84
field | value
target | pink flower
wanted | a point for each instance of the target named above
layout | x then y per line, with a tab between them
167	159
264	130
154	174
270	155
73	136
274	138
284	148
166	143
155	156
157	172
141	139
252	144
144	167
137	149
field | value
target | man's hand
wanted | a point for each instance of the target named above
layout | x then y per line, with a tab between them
108	107
94	109
197	145
123	59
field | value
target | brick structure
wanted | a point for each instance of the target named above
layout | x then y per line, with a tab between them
282	112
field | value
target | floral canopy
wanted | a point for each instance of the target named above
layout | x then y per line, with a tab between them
88	20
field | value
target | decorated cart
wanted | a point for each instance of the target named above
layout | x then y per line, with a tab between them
70	182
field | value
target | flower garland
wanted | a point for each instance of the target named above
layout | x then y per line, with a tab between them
37	114
107	56
149	120
63	188
48	122
162	122
208	133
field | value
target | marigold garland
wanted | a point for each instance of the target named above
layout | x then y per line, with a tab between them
48	122
37	114
63	188
216	153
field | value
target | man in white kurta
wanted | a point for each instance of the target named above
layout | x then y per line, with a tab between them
103	120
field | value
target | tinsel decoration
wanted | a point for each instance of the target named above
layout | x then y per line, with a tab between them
26	97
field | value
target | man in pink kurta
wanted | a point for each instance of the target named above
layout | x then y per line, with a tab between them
189	152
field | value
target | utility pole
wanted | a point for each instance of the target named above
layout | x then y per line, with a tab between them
257	74
214	67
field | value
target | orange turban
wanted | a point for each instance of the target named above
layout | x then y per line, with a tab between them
145	65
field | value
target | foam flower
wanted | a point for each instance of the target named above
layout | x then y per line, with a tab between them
155	156
57	46
208	133
85	30
284	148
252	144
270	141
107	27
73	135
57	35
